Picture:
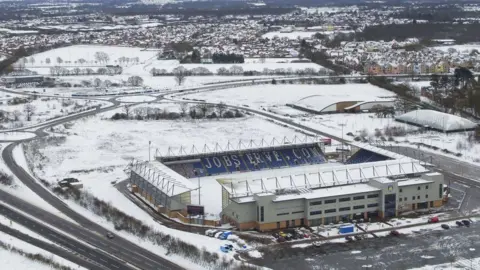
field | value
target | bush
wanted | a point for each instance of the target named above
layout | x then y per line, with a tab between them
229	114
5	179
238	114
119	116
394	131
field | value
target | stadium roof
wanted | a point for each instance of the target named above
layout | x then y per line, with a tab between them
437	120
309	177
162	177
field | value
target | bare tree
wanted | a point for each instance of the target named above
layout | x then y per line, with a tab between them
204	108
135	81
180	74
221	107
97	82
59	60
82	61
29	110
16	115
183	109
126	109
47	60
107	83
76	71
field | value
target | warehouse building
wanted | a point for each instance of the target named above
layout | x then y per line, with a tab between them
340	195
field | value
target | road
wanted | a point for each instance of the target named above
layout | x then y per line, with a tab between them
97	259
125	249
54	249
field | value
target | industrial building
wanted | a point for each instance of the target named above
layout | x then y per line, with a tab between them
341	193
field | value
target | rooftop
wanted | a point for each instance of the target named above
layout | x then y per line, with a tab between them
414	181
329	192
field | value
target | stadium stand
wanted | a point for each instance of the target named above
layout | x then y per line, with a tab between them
250	160
363	156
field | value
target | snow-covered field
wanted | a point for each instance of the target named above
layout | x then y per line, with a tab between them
71	55
460	48
280	94
41	109
136	99
96	151
299	34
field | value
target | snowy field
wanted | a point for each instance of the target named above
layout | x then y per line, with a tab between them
134	99
278	95
299	34
71	55
100	149
467	48
19	108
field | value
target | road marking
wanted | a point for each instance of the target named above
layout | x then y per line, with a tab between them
114	266
102	260
92	255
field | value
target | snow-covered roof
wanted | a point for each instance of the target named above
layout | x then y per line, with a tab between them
437	120
329	192
163	178
413	181
316	176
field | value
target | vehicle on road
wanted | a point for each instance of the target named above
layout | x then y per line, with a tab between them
110	235
433	220
445	226
349	238
459	223
317	243
466	222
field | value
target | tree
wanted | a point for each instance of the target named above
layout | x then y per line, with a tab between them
47	60
76	71
29	110
82	61
107	83
126	109
222	71
16	115
102	57
97	82
102	71
32	60
204	108
183	109
59	60
196	56
180	74
89	71
135	81
221	108
236	70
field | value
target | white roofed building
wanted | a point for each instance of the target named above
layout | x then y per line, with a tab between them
439	121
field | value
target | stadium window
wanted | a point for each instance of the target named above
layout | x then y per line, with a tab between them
418	188
405	199
426	187
413	198
258	213
330	201
359	206
400	190
418	197
426	196
298	212
343	209
261	214
431	204
313	213
372	205
372	196
315	203
400	199
330	211
346	199
356	198
282	214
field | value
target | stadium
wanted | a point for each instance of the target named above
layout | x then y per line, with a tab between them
281	184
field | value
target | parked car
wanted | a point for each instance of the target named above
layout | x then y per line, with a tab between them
445	226
317	243
211	232
459	223
358	237
288	237
280	239
275	235
466	222
349	238
394	233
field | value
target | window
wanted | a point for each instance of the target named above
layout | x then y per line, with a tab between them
426	187
359	207
418	188
258	214
298	212
418	197
282	214
356	198
431	204
344	199
261	214
330	201
405	199
413	198
343	209
372	196
400	190
440	190
313	213
330	211
315	203
400	199
372	205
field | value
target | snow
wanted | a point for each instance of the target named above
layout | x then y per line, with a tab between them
255	254
299	34
460	48
437	120
136	99
96	151
278	95
21	191
18	262
10	31
16	136
74	53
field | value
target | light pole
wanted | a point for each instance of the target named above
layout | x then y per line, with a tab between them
471	257
149	144
343	150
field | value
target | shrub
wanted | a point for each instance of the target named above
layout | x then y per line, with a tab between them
394	131
119	116
5	179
